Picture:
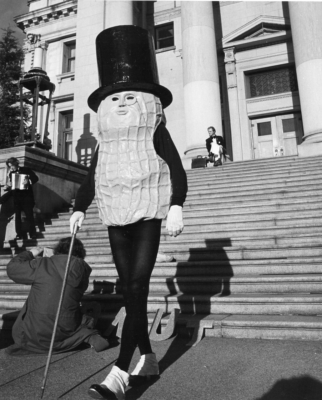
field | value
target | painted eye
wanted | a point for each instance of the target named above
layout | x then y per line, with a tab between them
130	99
115	98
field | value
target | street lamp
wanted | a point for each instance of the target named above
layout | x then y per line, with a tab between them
35	81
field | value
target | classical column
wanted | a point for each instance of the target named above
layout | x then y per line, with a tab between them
118	13
236	137
200	74
306	27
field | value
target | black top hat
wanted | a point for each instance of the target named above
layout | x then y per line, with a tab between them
126	61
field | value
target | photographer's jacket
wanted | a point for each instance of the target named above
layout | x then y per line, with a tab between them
34	326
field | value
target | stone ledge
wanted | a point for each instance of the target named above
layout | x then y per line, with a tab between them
47	14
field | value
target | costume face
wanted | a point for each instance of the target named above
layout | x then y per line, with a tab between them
128	108
119	110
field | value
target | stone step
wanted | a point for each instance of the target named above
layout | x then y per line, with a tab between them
239	202
258	183
304	304
211	222
222	285
269	164
297	190
286	170
286	266
209	215
269	304
275	267
103	254
223	175
168	244
204	233
299	327
286	327
269	208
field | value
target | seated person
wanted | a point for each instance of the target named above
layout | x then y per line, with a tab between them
215	146
33	328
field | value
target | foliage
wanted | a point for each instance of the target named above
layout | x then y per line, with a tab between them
11	59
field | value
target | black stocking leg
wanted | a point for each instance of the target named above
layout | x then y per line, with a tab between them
135	249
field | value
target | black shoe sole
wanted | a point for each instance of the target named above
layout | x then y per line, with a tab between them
99	392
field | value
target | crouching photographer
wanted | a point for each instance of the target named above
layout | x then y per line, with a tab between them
33	328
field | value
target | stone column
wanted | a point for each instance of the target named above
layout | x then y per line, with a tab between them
200	75
307	33
236	137
118	13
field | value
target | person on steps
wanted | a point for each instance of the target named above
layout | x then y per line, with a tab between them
215	147
23	198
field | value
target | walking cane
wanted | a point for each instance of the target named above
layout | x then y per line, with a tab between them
59	308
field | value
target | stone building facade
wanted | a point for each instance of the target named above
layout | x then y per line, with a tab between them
251	69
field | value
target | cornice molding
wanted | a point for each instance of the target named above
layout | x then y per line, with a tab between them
274	29
167	15
260	99
47	14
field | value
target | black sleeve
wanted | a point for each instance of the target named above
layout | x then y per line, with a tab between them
86	192
23	268
166	149
32	176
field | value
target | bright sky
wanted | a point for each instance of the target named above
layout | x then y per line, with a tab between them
9	9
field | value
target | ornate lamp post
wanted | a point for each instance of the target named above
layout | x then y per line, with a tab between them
35	80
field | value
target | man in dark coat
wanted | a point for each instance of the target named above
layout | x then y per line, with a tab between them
23	199
33	328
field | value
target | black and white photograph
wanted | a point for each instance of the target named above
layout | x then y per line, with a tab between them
160	200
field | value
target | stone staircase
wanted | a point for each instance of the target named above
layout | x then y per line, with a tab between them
249	259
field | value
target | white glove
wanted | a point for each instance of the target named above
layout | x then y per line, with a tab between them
78	217
174	221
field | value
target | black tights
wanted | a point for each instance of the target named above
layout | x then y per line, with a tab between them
135	248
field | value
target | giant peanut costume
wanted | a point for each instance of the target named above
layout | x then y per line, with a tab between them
137	177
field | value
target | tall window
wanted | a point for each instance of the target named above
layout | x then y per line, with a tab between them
68	135
69	57
164	36
272	82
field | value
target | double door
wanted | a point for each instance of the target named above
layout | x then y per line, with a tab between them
277	136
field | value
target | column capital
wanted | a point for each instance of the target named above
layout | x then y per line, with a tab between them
32	41
43	45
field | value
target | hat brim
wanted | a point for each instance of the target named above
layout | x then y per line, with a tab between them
101	93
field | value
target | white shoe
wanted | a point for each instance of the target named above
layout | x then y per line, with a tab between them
147	368
113	387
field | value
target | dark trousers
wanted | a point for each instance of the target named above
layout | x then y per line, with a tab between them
27	207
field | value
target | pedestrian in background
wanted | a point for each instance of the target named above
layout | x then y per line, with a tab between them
23	199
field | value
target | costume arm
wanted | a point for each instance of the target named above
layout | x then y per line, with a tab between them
86	192
23	268
166	149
